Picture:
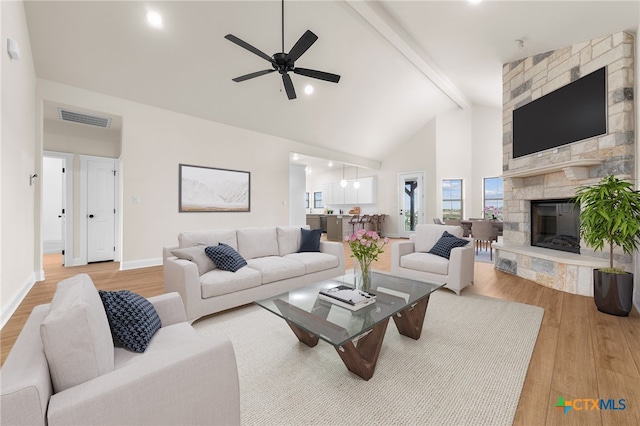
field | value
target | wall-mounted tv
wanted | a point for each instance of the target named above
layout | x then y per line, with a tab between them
571	113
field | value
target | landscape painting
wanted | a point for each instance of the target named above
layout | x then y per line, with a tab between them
207	189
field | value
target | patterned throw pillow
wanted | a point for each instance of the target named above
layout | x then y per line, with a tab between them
310	240
132	318
447	242
225	257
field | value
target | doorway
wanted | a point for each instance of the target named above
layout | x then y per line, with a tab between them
410	202
57	205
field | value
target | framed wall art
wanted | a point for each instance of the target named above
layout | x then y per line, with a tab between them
208	189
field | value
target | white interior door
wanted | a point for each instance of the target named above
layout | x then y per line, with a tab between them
52	205
410	202
101	210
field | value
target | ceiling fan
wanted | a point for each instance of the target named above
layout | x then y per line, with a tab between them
285	62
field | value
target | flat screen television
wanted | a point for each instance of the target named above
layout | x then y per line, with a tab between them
571	113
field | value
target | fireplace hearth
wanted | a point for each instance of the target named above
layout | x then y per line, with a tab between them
555	225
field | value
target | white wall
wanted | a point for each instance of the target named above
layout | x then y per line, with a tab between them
486	152
297	180
17	159
454	155
636	292
155	141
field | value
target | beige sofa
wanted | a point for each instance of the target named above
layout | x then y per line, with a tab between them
181	378
273	266
411	258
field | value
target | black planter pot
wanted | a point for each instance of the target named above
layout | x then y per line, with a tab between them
613	293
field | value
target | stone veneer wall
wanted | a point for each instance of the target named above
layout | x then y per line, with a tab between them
531	78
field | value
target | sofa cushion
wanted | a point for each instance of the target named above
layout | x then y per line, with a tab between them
446	243
225	257
75	334
218	282
164	340
427	235
208	238
315	262
132	318
425	262
257	242
276	268
289	239
310	240
196	255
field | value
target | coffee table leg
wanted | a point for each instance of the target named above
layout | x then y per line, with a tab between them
304	336
361	358
409	321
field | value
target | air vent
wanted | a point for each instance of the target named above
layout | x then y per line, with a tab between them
78	117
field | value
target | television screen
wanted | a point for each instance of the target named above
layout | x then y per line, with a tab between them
574	112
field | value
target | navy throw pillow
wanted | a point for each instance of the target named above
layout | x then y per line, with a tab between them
132	318
447	242
225	257
310	240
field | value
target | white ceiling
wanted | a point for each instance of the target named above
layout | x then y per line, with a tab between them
383	50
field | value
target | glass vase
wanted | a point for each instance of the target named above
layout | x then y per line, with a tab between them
362	275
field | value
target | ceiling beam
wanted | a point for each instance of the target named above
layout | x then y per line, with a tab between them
379	19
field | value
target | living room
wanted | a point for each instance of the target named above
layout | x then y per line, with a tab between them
460	143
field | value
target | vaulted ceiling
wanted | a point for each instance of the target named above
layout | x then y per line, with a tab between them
401	62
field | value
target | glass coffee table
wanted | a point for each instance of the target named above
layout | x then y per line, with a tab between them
356	335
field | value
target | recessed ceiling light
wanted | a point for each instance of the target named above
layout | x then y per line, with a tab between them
154	19
474	1
308	89
330	164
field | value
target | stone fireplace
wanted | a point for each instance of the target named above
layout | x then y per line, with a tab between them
555	174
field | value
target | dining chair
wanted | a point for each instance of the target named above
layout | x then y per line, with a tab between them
484	234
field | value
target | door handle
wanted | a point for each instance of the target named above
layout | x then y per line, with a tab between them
90	216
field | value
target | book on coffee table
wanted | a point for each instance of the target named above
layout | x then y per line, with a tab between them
347	297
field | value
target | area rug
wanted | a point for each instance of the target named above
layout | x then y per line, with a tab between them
467	368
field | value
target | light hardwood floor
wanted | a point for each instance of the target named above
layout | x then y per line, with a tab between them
580	353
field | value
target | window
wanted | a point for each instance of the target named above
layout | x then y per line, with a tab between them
317	200
452	199
306	200
493	198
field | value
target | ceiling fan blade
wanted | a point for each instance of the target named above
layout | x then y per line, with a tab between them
288	86
252	75
249	47
320	75
301	46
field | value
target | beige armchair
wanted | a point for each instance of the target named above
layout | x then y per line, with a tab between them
181	378
412	258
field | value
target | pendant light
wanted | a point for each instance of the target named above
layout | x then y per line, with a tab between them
343	182
356	184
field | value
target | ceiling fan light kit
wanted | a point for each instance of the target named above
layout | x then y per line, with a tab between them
285	62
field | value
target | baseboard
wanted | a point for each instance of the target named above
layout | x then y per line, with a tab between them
10	308
137	264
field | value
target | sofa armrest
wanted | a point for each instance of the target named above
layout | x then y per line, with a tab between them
169	308
196	383
335	248
461	266
399	249
182	276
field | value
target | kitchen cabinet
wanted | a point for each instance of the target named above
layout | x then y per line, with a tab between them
334	194
337	227
314	222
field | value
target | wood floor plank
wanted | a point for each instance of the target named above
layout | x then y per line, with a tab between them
535	391
616	386
551	300
609	354
574	372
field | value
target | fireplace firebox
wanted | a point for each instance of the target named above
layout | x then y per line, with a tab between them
555	225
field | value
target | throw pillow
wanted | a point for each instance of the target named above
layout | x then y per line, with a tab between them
132	318
310	240
447	242
196	255
225	257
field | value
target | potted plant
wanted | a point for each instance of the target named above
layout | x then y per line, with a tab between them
611	215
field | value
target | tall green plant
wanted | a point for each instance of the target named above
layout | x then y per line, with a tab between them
610	214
